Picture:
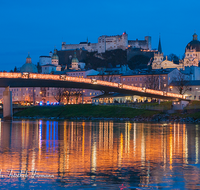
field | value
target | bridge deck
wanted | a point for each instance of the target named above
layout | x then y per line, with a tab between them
62	81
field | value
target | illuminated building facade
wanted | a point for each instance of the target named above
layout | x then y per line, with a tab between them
192	52
191	89
53	66
160	63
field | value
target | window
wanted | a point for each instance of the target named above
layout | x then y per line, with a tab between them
190	89
163	78
123	79
165	85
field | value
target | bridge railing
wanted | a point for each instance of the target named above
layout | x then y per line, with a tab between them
10	75
87	80
44	76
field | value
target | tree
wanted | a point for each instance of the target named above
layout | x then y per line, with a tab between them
138	62
39	67
154	82
174	58
15	69
67	94
59	94
181	84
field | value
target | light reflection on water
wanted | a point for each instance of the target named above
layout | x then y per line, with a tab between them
81	155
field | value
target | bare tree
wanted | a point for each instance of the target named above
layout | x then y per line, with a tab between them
68	93
181	84
154	82
60	94
174	58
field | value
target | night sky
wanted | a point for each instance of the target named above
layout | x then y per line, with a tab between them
38	26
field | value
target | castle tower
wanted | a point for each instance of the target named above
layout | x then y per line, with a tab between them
102	44
125	39
148	40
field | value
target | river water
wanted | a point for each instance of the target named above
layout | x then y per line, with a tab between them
99	155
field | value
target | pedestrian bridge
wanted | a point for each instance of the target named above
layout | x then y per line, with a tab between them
9	79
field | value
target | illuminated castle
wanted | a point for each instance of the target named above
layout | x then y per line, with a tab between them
106	43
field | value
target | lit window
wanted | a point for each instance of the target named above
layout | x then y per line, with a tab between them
165	85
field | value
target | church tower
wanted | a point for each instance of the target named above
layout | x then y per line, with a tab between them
74	65
159	46
54	58
158	57
28	59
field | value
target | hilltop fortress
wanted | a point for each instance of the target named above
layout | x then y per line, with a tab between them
106	43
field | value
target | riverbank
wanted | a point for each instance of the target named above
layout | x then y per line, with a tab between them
94	112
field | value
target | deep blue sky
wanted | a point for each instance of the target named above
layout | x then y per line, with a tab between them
37	26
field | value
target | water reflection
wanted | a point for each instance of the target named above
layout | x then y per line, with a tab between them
87	154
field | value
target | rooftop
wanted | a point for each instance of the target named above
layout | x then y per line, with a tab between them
187	83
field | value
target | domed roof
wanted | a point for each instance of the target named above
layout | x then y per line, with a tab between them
194	44
54	56
28	66
75	60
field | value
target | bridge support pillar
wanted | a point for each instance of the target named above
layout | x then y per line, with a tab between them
179	105
7	104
